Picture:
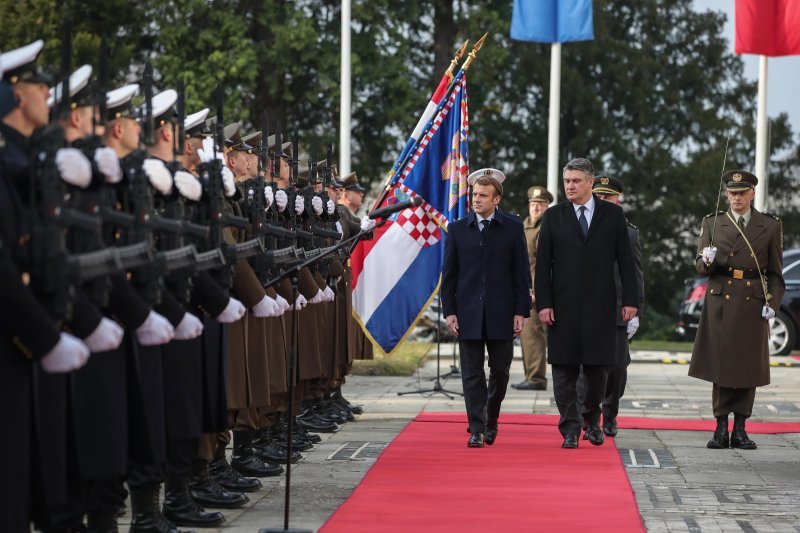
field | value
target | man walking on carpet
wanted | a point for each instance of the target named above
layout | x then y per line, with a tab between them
485	296
580	242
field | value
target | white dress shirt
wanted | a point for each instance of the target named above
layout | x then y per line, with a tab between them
589	210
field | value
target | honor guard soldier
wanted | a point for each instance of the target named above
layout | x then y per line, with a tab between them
533	337
741	250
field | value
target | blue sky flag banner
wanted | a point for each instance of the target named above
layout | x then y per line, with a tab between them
552	21
396	274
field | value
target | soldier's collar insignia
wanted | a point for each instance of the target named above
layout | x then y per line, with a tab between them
737	177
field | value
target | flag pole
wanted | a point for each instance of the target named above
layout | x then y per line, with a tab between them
762	157
555	118
345	97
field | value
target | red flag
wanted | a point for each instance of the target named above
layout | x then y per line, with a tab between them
768	27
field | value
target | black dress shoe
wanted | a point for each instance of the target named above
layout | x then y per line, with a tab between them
491	435
594	435
527	385
570	441
610	427
475	440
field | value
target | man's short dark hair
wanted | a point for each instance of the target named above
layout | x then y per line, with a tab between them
490	180
582	164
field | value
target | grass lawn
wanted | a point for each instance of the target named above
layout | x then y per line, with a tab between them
402	362
665	346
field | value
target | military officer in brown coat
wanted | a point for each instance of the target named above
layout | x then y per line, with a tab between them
742	251
533	337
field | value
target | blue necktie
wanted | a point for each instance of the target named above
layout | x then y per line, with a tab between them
485	226
583	222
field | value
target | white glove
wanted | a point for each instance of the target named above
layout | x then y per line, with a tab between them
339	229
317	298
300	303
73	166
190	327
267	307
284	303
158	174
269	196
281	200
633	325
108	163
299	205
331	207
367	224
767	312
155	330
328	292
232	312
188	185
316	203
106	336
709	253
207	152
227	181
67	355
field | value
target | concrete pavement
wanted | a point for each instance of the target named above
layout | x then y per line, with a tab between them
680	485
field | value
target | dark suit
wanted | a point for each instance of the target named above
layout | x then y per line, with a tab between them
485	283
575	277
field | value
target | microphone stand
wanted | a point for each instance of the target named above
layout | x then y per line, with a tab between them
293	274
437	384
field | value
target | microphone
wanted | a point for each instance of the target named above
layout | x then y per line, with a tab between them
389	210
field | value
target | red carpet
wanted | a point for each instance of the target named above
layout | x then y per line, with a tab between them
625	422
428	480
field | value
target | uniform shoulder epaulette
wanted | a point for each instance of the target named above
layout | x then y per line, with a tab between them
631	225
770	215
714	214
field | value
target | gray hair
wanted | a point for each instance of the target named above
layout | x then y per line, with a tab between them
582	164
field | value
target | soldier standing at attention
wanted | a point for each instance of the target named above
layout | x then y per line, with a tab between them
533	337
742	251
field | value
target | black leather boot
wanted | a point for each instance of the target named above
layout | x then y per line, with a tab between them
739	438
208	493
245	461
720	439
146	515
220	469
181	509
342	401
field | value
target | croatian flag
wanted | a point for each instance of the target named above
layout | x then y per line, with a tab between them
396	274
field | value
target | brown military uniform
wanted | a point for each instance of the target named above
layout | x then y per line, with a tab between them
731	345
359	345
533	336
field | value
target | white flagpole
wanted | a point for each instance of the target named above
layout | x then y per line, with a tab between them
762	157
555	119
344	101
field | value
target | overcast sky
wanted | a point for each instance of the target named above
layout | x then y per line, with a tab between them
784	72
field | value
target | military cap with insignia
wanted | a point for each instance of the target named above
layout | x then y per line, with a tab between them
607	185
233	133
164	107
19	65
80	92
253	139
350	183
119	103
195	124
488	172
286	147
739	180
537	193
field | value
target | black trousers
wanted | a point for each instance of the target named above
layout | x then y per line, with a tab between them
572	409
616	381
482	402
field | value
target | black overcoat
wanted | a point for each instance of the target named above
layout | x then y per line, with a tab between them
490	276
575	277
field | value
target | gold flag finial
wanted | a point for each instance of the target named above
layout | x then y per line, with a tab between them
474	51
459	54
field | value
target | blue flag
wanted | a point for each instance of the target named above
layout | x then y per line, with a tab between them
552	21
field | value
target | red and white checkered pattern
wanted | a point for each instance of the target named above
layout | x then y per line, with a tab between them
419	225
